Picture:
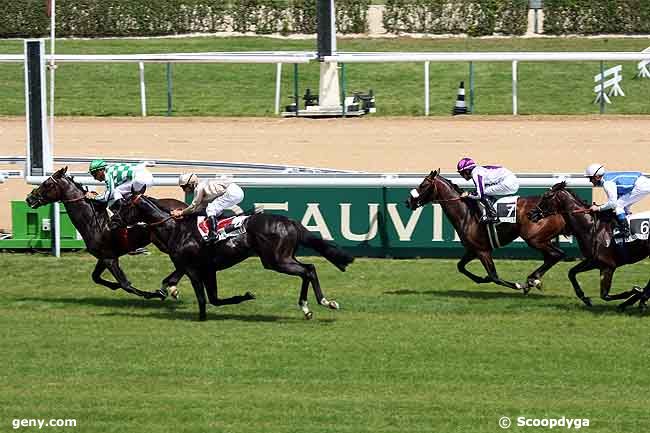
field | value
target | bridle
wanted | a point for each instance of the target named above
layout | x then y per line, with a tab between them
432	181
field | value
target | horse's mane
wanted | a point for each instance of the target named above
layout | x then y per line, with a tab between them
451	184
96	205
562	186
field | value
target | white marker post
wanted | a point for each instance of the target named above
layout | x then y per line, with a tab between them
613	82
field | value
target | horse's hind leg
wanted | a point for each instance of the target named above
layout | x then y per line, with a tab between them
583	266
552	255
100	267
606	276
488	264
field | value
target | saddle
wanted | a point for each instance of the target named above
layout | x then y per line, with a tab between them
226	227
506	208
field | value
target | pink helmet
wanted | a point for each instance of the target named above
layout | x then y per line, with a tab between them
465	164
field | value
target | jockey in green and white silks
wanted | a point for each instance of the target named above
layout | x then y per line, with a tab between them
119	179
623	189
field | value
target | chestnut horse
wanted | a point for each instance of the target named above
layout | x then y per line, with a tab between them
464	216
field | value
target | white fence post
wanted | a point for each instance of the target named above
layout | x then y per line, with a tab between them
278	81
514	87
426	88
143	92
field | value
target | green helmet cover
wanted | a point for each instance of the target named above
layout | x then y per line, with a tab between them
97	164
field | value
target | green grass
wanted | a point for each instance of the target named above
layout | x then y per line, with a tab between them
416	347
248	90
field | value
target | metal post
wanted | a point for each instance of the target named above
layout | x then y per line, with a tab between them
143	92
278	82
602	87
426	88
343	111
295	87
56	223
514	87
471	87
536	30
169	89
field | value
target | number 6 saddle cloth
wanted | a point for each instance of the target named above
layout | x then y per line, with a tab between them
639	227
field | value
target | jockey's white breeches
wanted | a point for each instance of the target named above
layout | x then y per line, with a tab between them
140	179
509	185
231	197
641	189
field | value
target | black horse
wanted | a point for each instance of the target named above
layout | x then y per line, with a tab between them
596	240
91	220
463	215
274	238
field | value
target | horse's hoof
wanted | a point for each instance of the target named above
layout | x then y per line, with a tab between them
536	284
334	305
587	302
643	307
519	286
309	315
249	295
174	293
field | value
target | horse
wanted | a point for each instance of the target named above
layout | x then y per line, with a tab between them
597	243
91	220
273	238
464	216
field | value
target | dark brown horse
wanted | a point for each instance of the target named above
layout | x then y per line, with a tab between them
91	220
275	239
594	234
464	216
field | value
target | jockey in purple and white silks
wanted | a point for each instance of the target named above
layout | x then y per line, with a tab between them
623	189
490	181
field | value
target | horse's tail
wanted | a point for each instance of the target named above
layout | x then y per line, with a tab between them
329	250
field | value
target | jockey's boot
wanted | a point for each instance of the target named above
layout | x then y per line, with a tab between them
623	227
115	222
489	214
212	226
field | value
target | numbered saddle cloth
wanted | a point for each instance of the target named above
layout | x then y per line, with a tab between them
506	208
639	227
226	228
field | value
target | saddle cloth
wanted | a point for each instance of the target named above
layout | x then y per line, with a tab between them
506	208
639	227
226	228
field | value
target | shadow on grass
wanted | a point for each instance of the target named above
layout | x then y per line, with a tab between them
134	302
473	294
193	316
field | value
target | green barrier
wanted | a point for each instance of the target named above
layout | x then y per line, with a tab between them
32	228
375	222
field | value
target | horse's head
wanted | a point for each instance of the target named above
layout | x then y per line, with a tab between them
550	203
55	188
424	193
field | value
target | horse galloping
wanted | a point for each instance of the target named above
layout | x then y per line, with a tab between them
274	238
464	216
596	241
90	218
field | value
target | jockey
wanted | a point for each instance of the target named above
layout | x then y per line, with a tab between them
213	195
119	179
490	181
623	189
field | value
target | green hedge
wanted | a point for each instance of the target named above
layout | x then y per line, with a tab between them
473	17
596	16
93	18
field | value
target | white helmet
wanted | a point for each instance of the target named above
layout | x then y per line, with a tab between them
188	179
594	169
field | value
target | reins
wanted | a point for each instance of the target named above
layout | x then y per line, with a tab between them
155	223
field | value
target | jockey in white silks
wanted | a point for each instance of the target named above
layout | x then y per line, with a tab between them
623	189
213	195
490	181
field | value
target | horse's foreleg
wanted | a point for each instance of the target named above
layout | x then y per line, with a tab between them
552	255
488	264
583	266
125	284
197	284
100	267
468	257
210	280
168	285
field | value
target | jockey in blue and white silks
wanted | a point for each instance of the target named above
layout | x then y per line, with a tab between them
623	189
490	181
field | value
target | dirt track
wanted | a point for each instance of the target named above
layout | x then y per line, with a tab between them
525	144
